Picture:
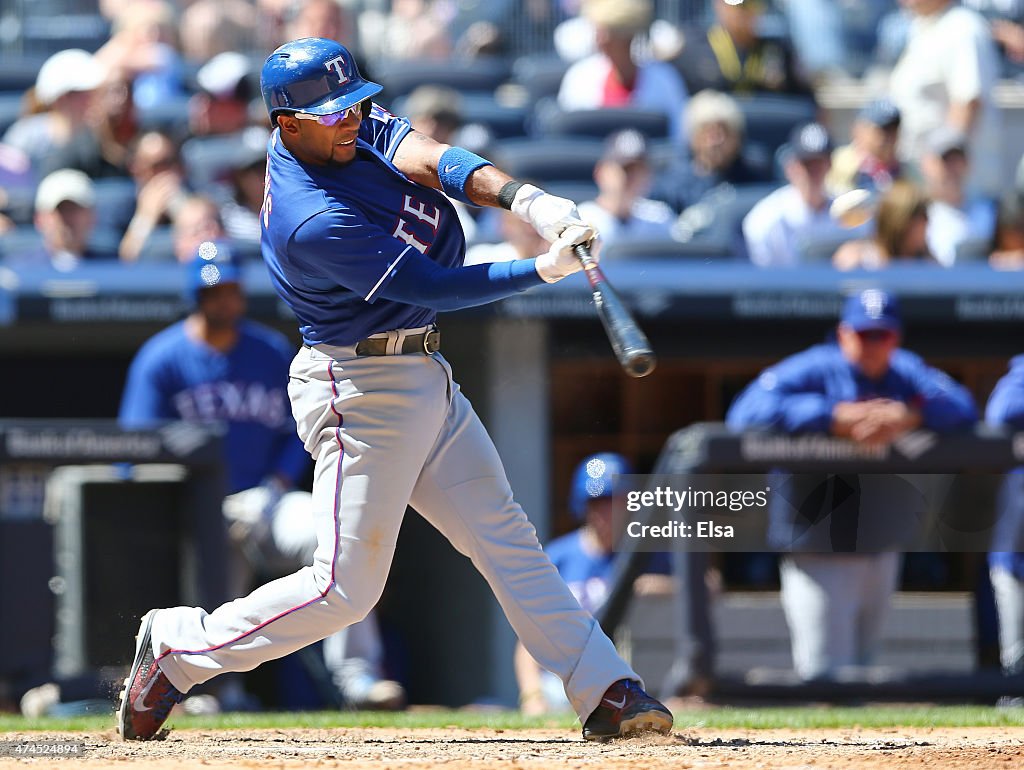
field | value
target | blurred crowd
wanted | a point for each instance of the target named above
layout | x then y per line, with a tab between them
133	130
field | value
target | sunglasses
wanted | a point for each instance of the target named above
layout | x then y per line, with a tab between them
876	335
331	118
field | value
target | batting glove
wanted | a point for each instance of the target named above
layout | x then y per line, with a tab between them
561	260
549	214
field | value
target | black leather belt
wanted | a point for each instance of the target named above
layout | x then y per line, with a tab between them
424	342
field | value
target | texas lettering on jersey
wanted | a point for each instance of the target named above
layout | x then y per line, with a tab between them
430	215
233	402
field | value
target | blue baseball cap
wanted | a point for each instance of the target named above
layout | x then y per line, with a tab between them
595	478
881	112
808	140
872	309
211	266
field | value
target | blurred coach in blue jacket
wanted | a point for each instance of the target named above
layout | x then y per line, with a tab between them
1006	562
863	387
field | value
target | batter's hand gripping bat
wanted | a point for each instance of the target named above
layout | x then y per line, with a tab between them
628	341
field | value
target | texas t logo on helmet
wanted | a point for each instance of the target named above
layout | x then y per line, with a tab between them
338	65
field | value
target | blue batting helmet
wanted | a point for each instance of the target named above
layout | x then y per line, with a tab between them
313	75
595	477
211	266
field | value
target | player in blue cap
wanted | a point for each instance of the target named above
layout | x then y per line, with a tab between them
866	388
364	246
584	558
216	366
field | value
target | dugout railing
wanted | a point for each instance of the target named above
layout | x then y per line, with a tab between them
711	448
132	520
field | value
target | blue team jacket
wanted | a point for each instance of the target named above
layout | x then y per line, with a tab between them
1006	409
798	394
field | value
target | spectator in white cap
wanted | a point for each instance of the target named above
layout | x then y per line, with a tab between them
955	216
614	76
621	211
64	218
222	104
63	88
784	223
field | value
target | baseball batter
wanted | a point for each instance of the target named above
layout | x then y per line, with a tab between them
364	246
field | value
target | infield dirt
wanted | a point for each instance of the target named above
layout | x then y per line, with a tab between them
488	749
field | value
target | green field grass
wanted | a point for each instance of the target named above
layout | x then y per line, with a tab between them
715	718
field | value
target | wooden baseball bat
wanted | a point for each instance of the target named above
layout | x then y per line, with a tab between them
628	342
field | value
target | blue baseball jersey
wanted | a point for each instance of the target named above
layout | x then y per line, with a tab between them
798	394
174	377
334	236
1006	408
587	571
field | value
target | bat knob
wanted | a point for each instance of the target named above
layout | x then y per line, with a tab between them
641	365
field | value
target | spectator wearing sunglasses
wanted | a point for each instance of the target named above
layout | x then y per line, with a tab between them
863	387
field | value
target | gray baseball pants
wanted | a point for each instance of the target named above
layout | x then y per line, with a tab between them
386	432
835	604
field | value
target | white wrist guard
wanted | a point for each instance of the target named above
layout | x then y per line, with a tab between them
549	214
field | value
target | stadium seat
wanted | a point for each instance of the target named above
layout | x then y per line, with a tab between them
399	77
666	249
47	34
661	153
104	242
246	251
159	246
718	216
115	201
770	119
972	250
549	120
540	76
819	251
170	117
574	191
563	160
22	241
209	159
501	120
10	108
18	73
